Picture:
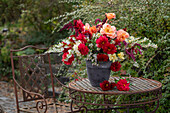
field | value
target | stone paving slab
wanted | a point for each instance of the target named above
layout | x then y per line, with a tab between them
7	101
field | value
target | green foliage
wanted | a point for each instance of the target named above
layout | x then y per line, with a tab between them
33	18
5	69
25	25
37	22
142	18
10	10
28	51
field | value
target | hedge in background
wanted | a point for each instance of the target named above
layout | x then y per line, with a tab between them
142	18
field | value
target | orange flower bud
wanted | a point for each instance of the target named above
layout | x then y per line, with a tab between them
110	15
93	29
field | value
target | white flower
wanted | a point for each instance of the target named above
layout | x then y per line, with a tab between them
130	39
75	48
59	45
154	46
55	48
67	42
95	55
98	49
112	57
70	51
91	45
113	42
73	38
89	56
136	64
98	35
58	50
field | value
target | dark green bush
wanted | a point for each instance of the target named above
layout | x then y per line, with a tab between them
142	18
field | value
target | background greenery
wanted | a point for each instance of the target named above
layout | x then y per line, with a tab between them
37	22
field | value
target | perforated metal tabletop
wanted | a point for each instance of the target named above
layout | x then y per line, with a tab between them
142	92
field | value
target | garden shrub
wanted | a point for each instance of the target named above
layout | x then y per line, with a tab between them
142	18
24	24
39	23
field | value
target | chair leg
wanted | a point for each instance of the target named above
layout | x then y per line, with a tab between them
55	110
16	97
54	100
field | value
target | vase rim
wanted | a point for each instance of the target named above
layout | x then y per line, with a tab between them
106	64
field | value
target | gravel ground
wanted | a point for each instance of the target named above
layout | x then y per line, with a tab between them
7	100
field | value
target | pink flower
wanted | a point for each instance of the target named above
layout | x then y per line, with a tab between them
87	26
109	48
101	41
108	30
122	85
83	49
122	35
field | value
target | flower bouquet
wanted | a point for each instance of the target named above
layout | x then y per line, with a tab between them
98	44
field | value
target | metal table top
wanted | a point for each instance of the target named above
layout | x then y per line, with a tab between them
137	85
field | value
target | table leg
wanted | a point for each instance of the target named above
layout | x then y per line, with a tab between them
71	106
144	107
127	111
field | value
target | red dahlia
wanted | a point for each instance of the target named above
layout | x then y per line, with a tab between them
122	85
115	66
102	57
87	33
70	60
82	38
83	49
78	25
101	41
109	48
112	85
105	85
116	41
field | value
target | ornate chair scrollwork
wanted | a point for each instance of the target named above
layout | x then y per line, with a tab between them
34	78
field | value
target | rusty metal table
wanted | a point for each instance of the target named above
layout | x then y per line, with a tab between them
143	93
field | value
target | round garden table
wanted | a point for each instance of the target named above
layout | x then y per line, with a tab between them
143	93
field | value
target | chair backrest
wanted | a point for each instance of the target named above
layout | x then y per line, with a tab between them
35	73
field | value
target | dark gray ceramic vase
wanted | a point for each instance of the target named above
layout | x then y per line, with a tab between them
97	74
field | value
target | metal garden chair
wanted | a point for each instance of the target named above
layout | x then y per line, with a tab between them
34	78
